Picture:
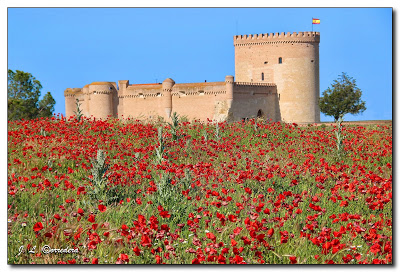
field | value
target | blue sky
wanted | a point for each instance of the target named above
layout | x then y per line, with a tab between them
71	47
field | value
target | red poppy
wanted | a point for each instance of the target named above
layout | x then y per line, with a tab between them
248	190
38	226
221	259
237	230
211	236
102	208
233	242
232	218
124	258
347	258
165	214
145	241
92	245
137	251
91	218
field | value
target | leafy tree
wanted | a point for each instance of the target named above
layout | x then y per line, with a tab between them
341	98
23	93
46	105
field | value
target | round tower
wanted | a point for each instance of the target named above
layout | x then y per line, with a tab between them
167	96
70	101
100	103
291	61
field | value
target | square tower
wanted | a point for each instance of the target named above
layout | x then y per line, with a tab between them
291	61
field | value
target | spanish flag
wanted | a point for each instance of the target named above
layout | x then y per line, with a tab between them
316	21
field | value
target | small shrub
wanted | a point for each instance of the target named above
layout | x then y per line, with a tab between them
174	126
217	131
100	189
160	150
78	111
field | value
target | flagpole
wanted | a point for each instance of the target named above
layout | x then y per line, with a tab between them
312	25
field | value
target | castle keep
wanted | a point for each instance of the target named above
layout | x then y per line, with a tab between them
276	77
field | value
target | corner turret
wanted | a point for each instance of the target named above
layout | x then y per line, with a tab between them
167	96
71	94
101	99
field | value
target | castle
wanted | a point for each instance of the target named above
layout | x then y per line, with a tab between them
277	77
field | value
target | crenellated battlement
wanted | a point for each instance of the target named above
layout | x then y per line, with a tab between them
185	93
189	93
255	84
144	86
178	93
147	88
141	95
254	88
69	92
283	37
100	92
199	84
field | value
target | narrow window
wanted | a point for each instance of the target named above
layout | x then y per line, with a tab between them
280	60
262	76
259	113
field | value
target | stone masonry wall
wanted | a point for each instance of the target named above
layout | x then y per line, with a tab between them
200	100
253	99
141	101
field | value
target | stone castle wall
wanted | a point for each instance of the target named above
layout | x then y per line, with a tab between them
277	77
201	101
193	100
251	100
140	101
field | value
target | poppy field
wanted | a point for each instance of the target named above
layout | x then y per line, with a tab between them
253	192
